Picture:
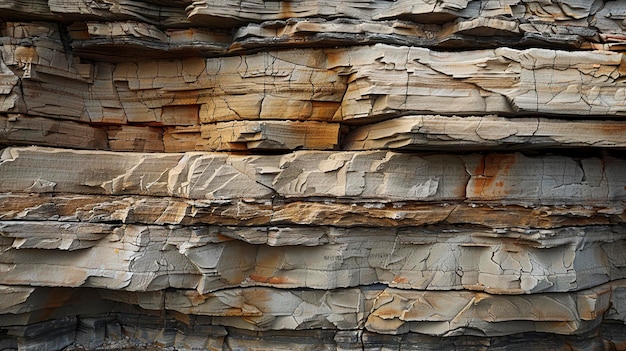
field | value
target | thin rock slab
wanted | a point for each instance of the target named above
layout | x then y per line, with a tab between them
59	235
468	33
368	176
435	132
165	14
389	311
210	258
17	129
309	32
269	135
367	214
389	81
129	39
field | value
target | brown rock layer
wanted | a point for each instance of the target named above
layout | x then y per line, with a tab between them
312	175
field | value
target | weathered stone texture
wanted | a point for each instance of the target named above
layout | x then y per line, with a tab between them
313	175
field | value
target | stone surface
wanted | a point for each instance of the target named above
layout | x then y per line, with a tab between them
514	261
437	132
312	175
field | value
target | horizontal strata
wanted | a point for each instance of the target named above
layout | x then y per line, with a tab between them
128	209
229	14
367	175
414	133
199	333
403	221
94	40
455	133
376	309
354	85
134	257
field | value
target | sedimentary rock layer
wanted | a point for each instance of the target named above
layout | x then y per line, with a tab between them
372	175
355	84
244	212
136	257
377	309
312	175
435	132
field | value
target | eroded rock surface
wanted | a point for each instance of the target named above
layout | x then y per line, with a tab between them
313	175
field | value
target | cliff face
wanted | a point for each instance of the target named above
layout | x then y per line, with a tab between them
313	175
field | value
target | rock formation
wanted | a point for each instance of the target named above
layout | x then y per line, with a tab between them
313	175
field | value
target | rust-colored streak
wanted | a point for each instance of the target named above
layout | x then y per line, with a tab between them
278	280
400	280
611	128
258	278
268	263
222	238
198	299
489	174
285	10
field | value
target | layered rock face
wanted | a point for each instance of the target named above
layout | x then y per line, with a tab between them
313	175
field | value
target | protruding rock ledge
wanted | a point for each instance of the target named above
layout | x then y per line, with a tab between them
369	175
434	132
376	309
388	81
355	85
127	326
134	257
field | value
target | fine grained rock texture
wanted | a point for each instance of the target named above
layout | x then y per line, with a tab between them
313	175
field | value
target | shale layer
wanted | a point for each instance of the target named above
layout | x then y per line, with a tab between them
313	175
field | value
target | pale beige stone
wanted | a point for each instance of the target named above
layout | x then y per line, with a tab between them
398	80
405	224
370	175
